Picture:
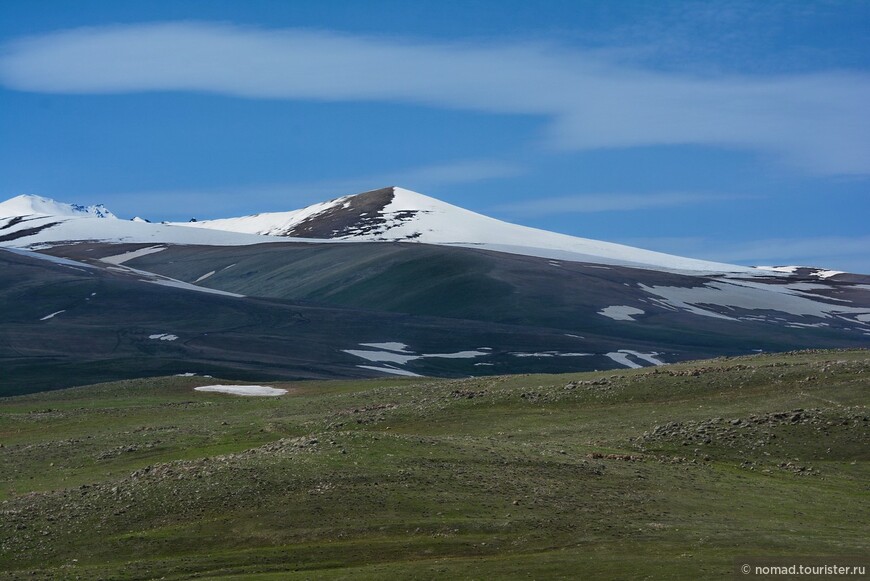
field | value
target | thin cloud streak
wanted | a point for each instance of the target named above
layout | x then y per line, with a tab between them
816	122
609	202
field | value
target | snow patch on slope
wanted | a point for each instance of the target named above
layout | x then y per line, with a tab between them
785	269
49	258
391	370
389	346
747	295
153	278
382	356
205	276
124	257
621	312
823	274
53	315
192	287
817	272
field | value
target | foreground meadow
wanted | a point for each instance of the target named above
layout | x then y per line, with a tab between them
665	473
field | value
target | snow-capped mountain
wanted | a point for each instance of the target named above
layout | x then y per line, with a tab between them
30	205
386	215
481	296
35	222
399	215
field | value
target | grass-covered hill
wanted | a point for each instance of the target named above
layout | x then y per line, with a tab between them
664	473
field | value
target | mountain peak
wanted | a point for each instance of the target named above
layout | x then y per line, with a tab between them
30	204
395	214
387	214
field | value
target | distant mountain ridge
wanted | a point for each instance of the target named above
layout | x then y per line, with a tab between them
331	291
29	204
35	222
391	214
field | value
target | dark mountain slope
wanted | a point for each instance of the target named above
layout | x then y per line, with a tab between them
68	324
518	290
511	289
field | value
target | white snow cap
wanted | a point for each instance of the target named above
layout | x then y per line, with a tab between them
28	205
415	217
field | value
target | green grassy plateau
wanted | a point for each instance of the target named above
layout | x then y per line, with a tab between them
657	473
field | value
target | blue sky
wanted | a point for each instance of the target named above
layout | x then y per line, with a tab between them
733	131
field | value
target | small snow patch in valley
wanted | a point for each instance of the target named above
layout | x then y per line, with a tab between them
621	312
550	354
391	370
186	286
395	353
163	337
621	357
247	390
400	354
457	355
47	317
644	356
381	356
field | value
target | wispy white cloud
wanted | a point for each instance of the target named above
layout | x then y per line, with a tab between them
817	121
609	202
